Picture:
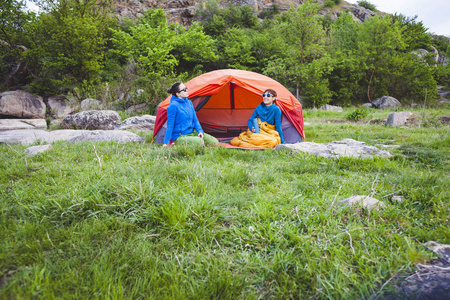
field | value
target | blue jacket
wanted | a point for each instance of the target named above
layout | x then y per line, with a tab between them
181	119
270	114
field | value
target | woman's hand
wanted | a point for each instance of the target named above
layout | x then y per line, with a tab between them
166	145
200	135
253	129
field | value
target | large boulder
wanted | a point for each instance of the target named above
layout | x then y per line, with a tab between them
19	104
58	107
16	124
386	102
26	137
145	122
331	108
399	118
92	119
344	148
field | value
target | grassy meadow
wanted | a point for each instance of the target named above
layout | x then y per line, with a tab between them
133	221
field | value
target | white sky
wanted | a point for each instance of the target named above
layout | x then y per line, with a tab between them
434	14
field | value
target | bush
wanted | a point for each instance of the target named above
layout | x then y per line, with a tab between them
331	3
357	114
367	4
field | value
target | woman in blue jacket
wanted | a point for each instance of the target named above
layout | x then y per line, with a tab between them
268	112
183	126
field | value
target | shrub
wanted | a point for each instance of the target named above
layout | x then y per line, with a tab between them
367	4
357	114
331	3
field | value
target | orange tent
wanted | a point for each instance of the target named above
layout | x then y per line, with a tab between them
225	99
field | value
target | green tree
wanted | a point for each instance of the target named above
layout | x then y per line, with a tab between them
14	40
414	33
69	43
306	63
379	42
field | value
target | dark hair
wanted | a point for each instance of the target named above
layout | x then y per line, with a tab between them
174	89
274	93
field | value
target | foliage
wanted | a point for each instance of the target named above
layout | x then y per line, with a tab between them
331	3
108	220
14	39
68	45
217	20
367	4
414	33
306	63
357	114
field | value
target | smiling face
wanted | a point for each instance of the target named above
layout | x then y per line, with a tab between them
269	96
182	91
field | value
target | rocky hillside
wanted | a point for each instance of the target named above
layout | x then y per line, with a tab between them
183	11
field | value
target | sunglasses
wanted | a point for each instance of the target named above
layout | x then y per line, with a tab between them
183	90
267	95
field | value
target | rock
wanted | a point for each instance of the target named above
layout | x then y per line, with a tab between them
15	124
344	148
331	108
92	119
399	118
106	136
58	107
398	199
362	13
145	122
21	104
138	108
91	104
32	151
430	280
386	102
367	105
26	137
364	201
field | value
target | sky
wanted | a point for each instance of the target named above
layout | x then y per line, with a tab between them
434	14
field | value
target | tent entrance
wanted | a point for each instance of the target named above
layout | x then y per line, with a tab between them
226	113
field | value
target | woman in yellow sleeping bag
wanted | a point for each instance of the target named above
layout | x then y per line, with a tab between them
264	125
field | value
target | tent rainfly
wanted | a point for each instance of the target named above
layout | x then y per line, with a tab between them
225	99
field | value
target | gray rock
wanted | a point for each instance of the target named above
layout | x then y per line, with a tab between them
399	118
344	148
367	105
398	198
331	108
92	119
26	137
32	151
15	124
58	107
364	201
21	104
430	280
386	102
138	108
145	122
91	104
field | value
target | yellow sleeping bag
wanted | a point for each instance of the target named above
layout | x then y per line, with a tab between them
267	137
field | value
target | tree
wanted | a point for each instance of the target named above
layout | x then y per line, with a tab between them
379	41
306	63
69	43
13	40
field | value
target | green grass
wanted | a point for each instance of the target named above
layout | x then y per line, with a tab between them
127	221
